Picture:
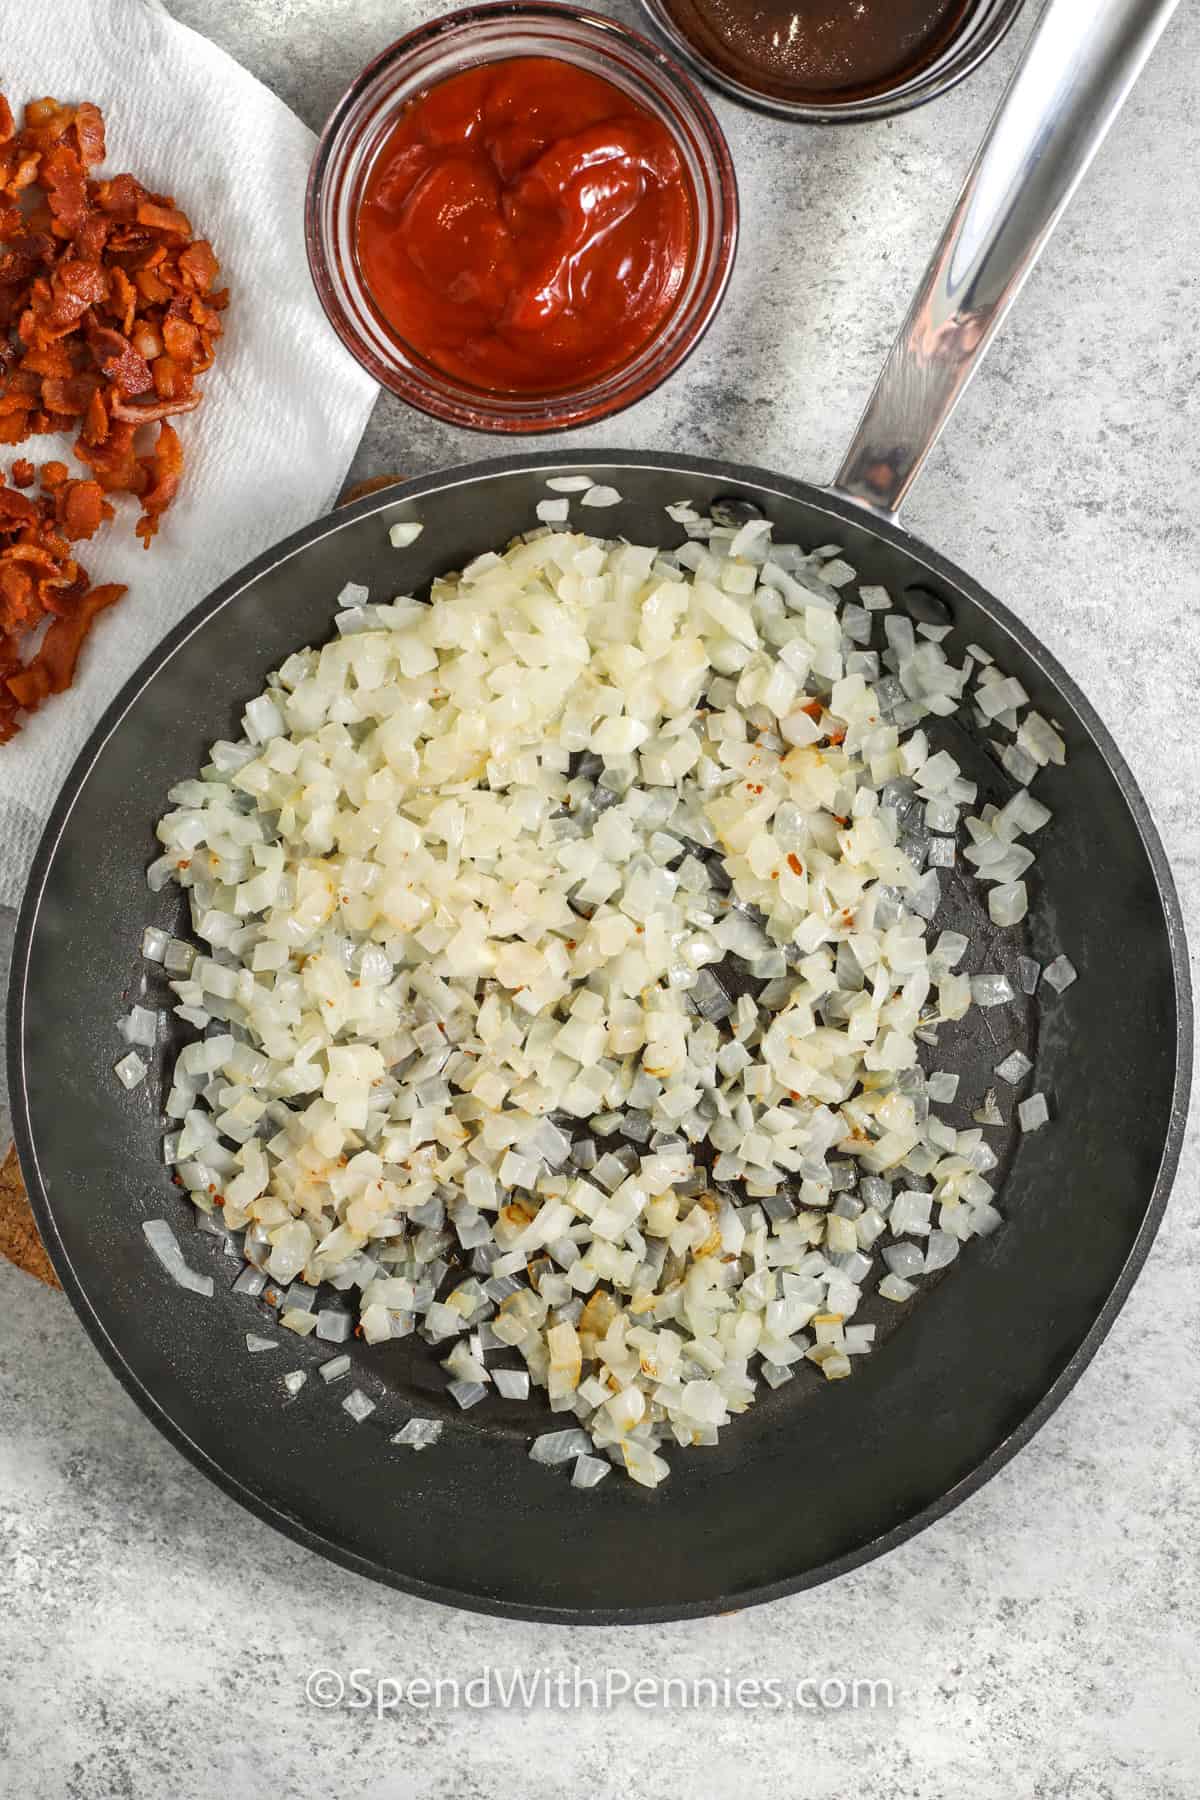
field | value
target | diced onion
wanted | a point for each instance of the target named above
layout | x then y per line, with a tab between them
566	972
165	1245
130	1071
419	1434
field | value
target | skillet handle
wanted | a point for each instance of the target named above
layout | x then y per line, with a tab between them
1073	78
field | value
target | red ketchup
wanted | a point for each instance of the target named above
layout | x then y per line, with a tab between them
526	226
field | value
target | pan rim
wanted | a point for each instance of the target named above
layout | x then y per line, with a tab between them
837	508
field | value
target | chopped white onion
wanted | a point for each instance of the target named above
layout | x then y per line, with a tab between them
131	1070
470	892
419	1434
1059	974
589	1471
559	1446
1014	1068
512	1384
165	1245
467	1393
1008	903
140	1027
1033	1113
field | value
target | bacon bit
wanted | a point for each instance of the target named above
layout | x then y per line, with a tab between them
794	863
163	468
15	509
180	339
108	313
113	460
40	580
63	177
165	217
128	370
49	359
153	410
198	266
95	421
813	708
836	737
51	670
89	133
81	508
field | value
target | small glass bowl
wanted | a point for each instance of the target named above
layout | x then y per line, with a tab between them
986	25
360	125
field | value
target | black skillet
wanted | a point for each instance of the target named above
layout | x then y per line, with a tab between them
816	1479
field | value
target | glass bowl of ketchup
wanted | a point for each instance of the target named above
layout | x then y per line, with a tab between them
522	217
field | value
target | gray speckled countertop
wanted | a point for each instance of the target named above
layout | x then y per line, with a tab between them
1042	1641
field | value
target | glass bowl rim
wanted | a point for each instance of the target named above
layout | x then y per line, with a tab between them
682	98
918	90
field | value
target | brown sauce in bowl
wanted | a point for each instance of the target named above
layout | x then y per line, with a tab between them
819	50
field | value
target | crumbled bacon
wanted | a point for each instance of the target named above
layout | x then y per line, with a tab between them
89	133
112	459
106	298
39	580
65	182
80	508
108	315
163	469
53	668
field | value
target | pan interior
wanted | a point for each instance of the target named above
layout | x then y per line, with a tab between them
815	1476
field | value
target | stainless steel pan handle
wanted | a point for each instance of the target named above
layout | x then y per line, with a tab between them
1077	69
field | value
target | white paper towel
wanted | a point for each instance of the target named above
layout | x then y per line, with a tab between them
284	405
